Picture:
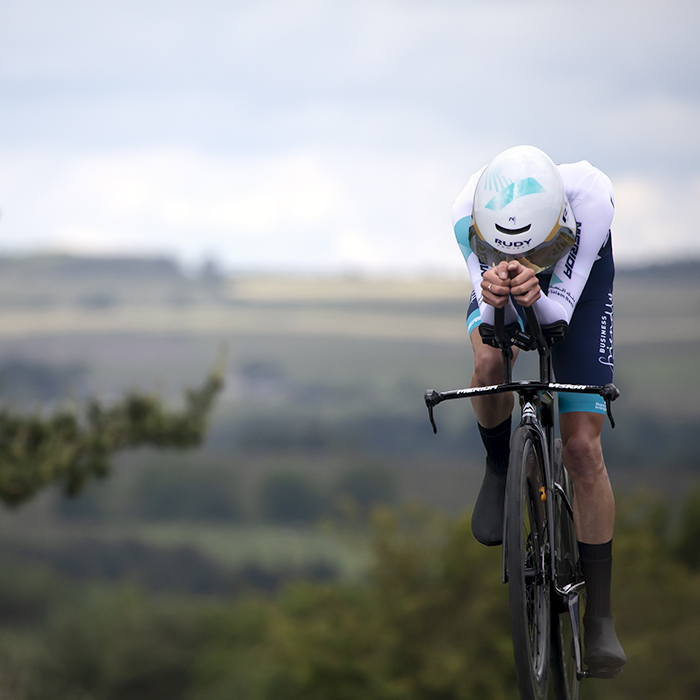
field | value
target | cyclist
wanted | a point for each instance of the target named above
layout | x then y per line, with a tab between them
539	234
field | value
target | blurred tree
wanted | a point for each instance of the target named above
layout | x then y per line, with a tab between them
431	621
368	485
69	448
116	647
687	545
656	601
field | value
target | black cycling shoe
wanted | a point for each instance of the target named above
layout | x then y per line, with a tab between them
487	518
603	653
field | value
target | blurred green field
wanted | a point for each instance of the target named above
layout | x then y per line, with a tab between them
372	334
323	375
232	547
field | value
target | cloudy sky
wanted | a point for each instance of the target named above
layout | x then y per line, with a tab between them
329	135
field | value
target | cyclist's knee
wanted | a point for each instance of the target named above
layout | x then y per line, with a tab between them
583	458
488	365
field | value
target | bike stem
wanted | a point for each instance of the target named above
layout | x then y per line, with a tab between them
542	345
504	344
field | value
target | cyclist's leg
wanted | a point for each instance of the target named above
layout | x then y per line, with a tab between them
594	515
492	410
594	503
586	357
493	418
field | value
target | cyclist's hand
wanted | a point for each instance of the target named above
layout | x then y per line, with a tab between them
524	285
495	285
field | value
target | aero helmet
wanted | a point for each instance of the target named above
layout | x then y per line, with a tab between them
521	212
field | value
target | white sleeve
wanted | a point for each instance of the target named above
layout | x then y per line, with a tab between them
461	220
593	203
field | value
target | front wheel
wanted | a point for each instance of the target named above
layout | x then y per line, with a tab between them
526	549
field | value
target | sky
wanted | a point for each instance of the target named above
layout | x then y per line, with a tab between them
333	136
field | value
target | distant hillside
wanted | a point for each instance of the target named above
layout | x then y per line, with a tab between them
51	280
688	270
100	282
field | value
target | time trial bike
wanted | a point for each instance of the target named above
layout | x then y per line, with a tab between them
540	549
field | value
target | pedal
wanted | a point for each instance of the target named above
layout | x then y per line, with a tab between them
605	673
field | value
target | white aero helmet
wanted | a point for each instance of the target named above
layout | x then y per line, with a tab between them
521	212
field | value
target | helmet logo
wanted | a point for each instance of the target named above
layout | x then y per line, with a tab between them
493	180
514	191
513	244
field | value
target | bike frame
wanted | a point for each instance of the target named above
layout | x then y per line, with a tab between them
538	414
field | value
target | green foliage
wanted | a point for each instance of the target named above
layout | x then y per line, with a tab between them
118	647
368	485
687	545
429	622
656	602
70	449
432	622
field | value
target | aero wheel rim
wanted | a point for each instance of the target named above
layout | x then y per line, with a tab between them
526	553
535	589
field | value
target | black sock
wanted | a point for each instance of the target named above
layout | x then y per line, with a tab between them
497	443
596	562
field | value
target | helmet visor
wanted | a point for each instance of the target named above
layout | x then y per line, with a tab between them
539	258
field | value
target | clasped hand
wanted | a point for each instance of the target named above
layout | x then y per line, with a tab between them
506	278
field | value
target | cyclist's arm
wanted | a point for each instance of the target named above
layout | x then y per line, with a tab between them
593	203
461	220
